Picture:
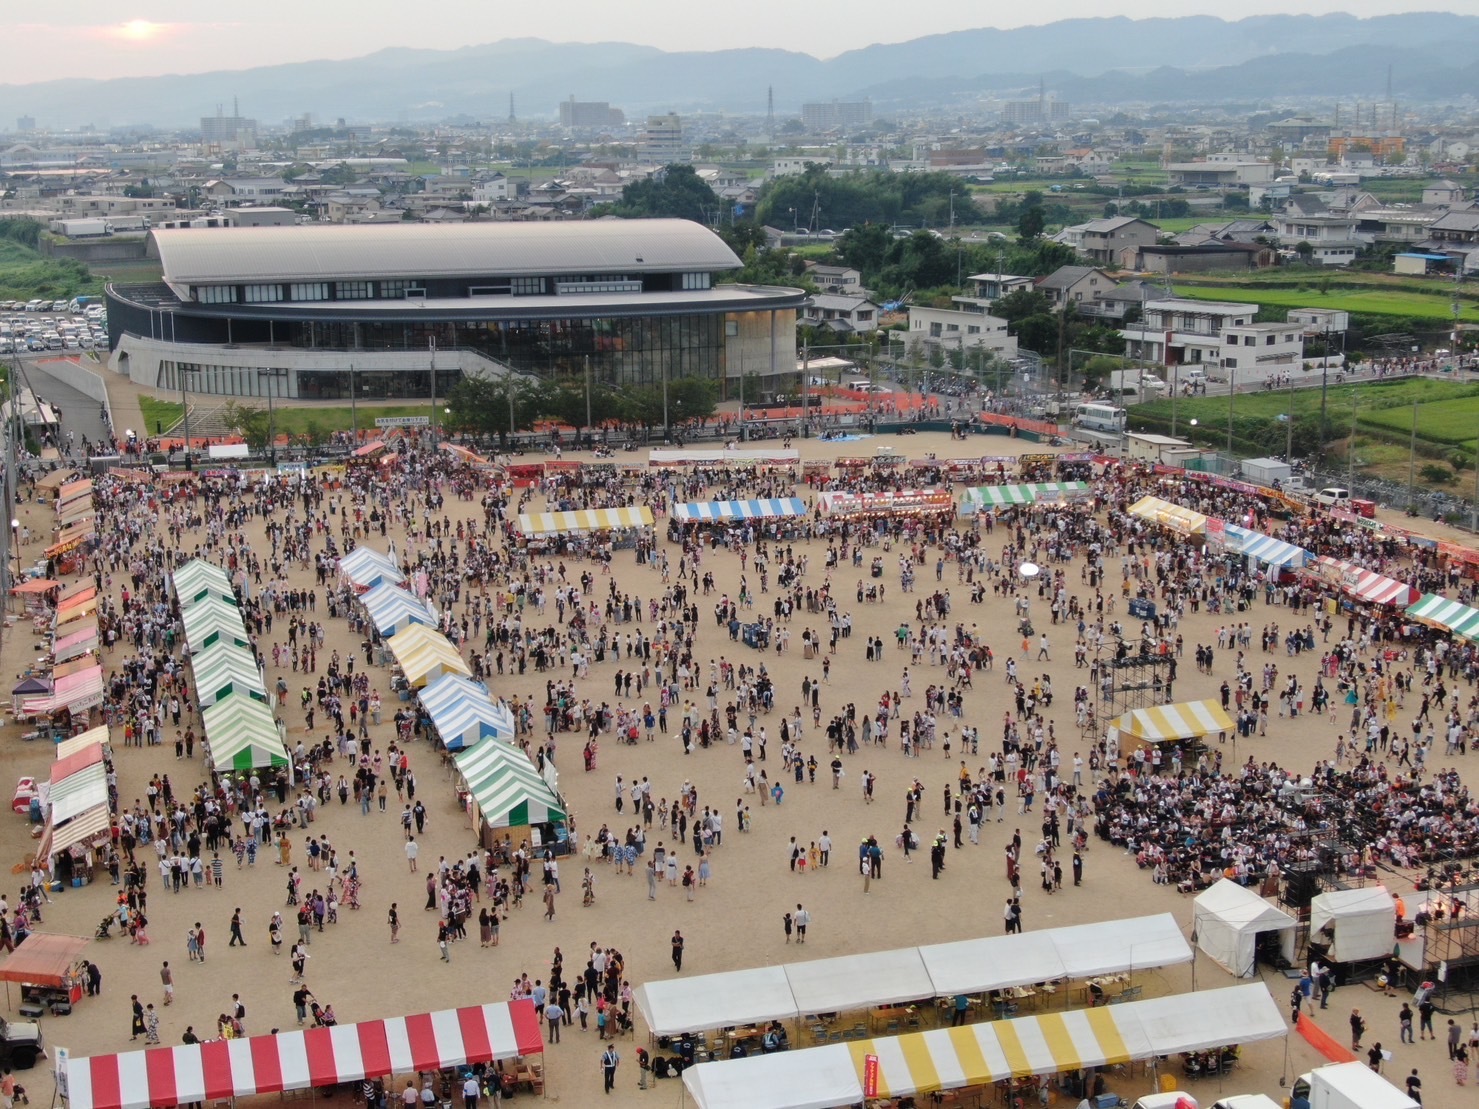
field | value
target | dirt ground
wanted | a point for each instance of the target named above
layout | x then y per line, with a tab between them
734	922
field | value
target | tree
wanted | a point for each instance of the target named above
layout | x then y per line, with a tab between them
1030	224
1305	250
691	398
674	192
249	422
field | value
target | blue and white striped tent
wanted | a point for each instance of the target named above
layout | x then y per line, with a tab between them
1265	548
392	609
367	568
463	713
738	510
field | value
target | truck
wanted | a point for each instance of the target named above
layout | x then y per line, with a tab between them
1133	383
1348	1086
82	304
88	227
20	1043
1267	471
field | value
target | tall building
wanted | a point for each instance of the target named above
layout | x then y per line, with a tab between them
26	123
1044	109
590	113
228	131
661	141
835	113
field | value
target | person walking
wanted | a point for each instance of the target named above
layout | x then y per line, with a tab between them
394	920
151	1024
470	1089
1415	1087
1425	1011
787	923
412	850
554	1016
677	943
167	977
549	902
136	1025
1404	1024
236	936
444	940
1358	1029
609	1062
802	918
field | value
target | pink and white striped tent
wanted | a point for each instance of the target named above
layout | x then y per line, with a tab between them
303	1058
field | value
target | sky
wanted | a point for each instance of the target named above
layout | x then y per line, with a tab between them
142	38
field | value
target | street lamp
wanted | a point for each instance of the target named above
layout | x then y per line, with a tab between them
15	545
184	371
271	376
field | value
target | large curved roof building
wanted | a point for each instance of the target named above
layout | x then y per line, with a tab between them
300	312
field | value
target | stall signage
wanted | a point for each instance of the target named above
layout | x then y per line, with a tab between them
402	421
870	1075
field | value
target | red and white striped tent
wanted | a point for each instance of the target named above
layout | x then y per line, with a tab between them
1363	584
303	1058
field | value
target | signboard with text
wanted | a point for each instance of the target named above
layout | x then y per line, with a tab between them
402	421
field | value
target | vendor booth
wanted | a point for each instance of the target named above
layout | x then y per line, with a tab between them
300	1059
1354	924
392	609
213	621
981	1055
241	734
1182	521
933	503
76	643
98	736
424	655
759	457
221	670
364	569
676	1005
1451	616
535	525
197	580
1265	549
45	965
462	712
727	511
1362	584
1009	496
1228	919
76	693
1170	723
505	791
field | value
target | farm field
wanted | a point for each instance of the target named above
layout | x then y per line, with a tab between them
1453	423
1385	302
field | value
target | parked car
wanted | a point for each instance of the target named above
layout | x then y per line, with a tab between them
1332	496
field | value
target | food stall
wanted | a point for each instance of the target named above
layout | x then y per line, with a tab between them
1172	517
617	527
505	793
932	505
46	966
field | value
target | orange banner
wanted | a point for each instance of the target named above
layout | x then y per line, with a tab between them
1323	1042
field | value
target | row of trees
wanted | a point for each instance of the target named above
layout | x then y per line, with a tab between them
487	408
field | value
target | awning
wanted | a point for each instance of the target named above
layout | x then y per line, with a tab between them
222	669
75	692
752	996
366	568
66	604
36	585
74	490
55	479
42	958
739	510
833	985
221	1070
213	620
980	1054
1163	723
75	643
424	655
82	741
70	540
781	457
67	765
908	502
587	519
1265	548
82	828
392	608
463	713
506	787
241	734
1183	521
1451	615
71	616
87	789
1378	589
1000	496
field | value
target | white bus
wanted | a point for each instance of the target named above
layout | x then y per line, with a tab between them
1100	417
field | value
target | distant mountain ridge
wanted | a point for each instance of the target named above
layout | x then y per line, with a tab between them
1190	58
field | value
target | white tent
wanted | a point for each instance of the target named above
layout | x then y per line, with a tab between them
834	985
1226	921
716	1001
1362	923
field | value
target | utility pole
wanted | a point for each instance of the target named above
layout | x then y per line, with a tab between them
1232	388
1412	458
353	410
588	394
805	385
1350	451
431	346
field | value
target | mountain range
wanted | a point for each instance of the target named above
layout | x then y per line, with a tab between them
1185	60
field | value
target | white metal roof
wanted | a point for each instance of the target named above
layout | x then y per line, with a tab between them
195	256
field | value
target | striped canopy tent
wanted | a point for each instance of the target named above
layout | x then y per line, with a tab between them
366	568
534	524
94	824
73	491
1378	589
78	597
69	539
197	580
75	693
301	1059
223	669
213	621
76	643
1183	521
976	1055
424	655
241	734
462	712
82	512
392	609
75	794
1063	490
506	788
1452	616
67	622
1167	723
1000	496
763	509
1265	548
98	736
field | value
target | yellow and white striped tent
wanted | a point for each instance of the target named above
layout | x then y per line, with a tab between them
1166	723
1183	521
424	655
978	1055
587	519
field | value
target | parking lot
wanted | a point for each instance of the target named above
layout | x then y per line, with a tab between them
37	326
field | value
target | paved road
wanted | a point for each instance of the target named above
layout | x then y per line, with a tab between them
80	413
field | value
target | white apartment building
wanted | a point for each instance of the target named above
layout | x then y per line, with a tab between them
968	327
1212	333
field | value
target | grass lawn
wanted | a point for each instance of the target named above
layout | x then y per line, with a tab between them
1451	422
160	415
295	421
1384	302
1386	406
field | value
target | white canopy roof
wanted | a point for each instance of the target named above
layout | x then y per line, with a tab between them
1226	920
886	977
716	1000
1363	922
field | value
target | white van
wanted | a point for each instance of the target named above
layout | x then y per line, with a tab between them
1332	497
1100	417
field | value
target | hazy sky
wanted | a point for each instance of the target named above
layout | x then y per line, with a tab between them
126	38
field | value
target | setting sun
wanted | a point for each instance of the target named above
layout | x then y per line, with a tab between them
140	30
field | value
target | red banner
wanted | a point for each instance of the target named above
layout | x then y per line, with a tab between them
1323	1042
870	1076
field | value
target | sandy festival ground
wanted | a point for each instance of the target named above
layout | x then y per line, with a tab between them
735	922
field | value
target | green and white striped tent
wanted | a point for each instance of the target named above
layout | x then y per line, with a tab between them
1007	496
213	621
197	580
222	669
1458	618
506	788
241	734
